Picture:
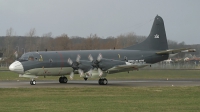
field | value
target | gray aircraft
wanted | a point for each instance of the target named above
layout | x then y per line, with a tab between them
97	63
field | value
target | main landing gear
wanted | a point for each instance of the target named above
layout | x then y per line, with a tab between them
33	82
63	79
103	81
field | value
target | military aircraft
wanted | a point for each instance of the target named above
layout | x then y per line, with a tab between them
97	63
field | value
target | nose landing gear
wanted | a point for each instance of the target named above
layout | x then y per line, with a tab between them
33	82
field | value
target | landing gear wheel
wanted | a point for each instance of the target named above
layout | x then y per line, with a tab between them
60	79
103	81
85	79
33	82
63	79
100	81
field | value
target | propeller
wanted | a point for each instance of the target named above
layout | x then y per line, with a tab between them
100	72
71	75
81	66
81	72
98	58
95	63
89	73
74	65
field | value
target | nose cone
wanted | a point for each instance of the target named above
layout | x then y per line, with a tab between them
16	67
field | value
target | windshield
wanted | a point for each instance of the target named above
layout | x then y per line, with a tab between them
26	57
23	59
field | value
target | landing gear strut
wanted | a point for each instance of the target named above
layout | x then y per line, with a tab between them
103	81
33	82
63	79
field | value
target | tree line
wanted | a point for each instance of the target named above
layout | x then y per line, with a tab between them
30	42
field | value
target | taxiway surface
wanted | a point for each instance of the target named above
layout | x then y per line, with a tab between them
89	83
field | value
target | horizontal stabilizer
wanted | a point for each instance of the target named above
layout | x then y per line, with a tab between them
173	51
124	68
135	66
132	66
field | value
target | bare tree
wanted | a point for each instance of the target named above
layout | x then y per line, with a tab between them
47	35
30	44
8	41
62	42
45	42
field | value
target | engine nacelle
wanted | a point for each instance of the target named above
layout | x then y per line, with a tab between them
94	74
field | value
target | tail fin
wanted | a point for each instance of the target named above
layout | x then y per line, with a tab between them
156	40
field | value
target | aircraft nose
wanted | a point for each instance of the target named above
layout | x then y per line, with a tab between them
16	67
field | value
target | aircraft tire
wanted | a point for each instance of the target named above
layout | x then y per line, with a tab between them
85	79
100	81
33	82
64	80
105	81
61	79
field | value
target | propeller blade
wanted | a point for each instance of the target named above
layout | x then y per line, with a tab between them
70	61
71	75
89	73
78	58
80	72
99	58
90	57
100	72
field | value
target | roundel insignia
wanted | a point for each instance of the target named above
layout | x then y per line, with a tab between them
156	36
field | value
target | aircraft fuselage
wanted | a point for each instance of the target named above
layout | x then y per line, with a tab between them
58	60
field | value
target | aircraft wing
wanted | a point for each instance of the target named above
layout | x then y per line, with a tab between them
173	51
124	68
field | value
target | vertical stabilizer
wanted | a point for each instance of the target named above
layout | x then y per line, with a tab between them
156	40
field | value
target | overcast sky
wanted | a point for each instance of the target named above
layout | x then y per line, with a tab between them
102	17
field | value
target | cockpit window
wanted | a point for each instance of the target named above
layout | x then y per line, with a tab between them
31	58
27	58
23	58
